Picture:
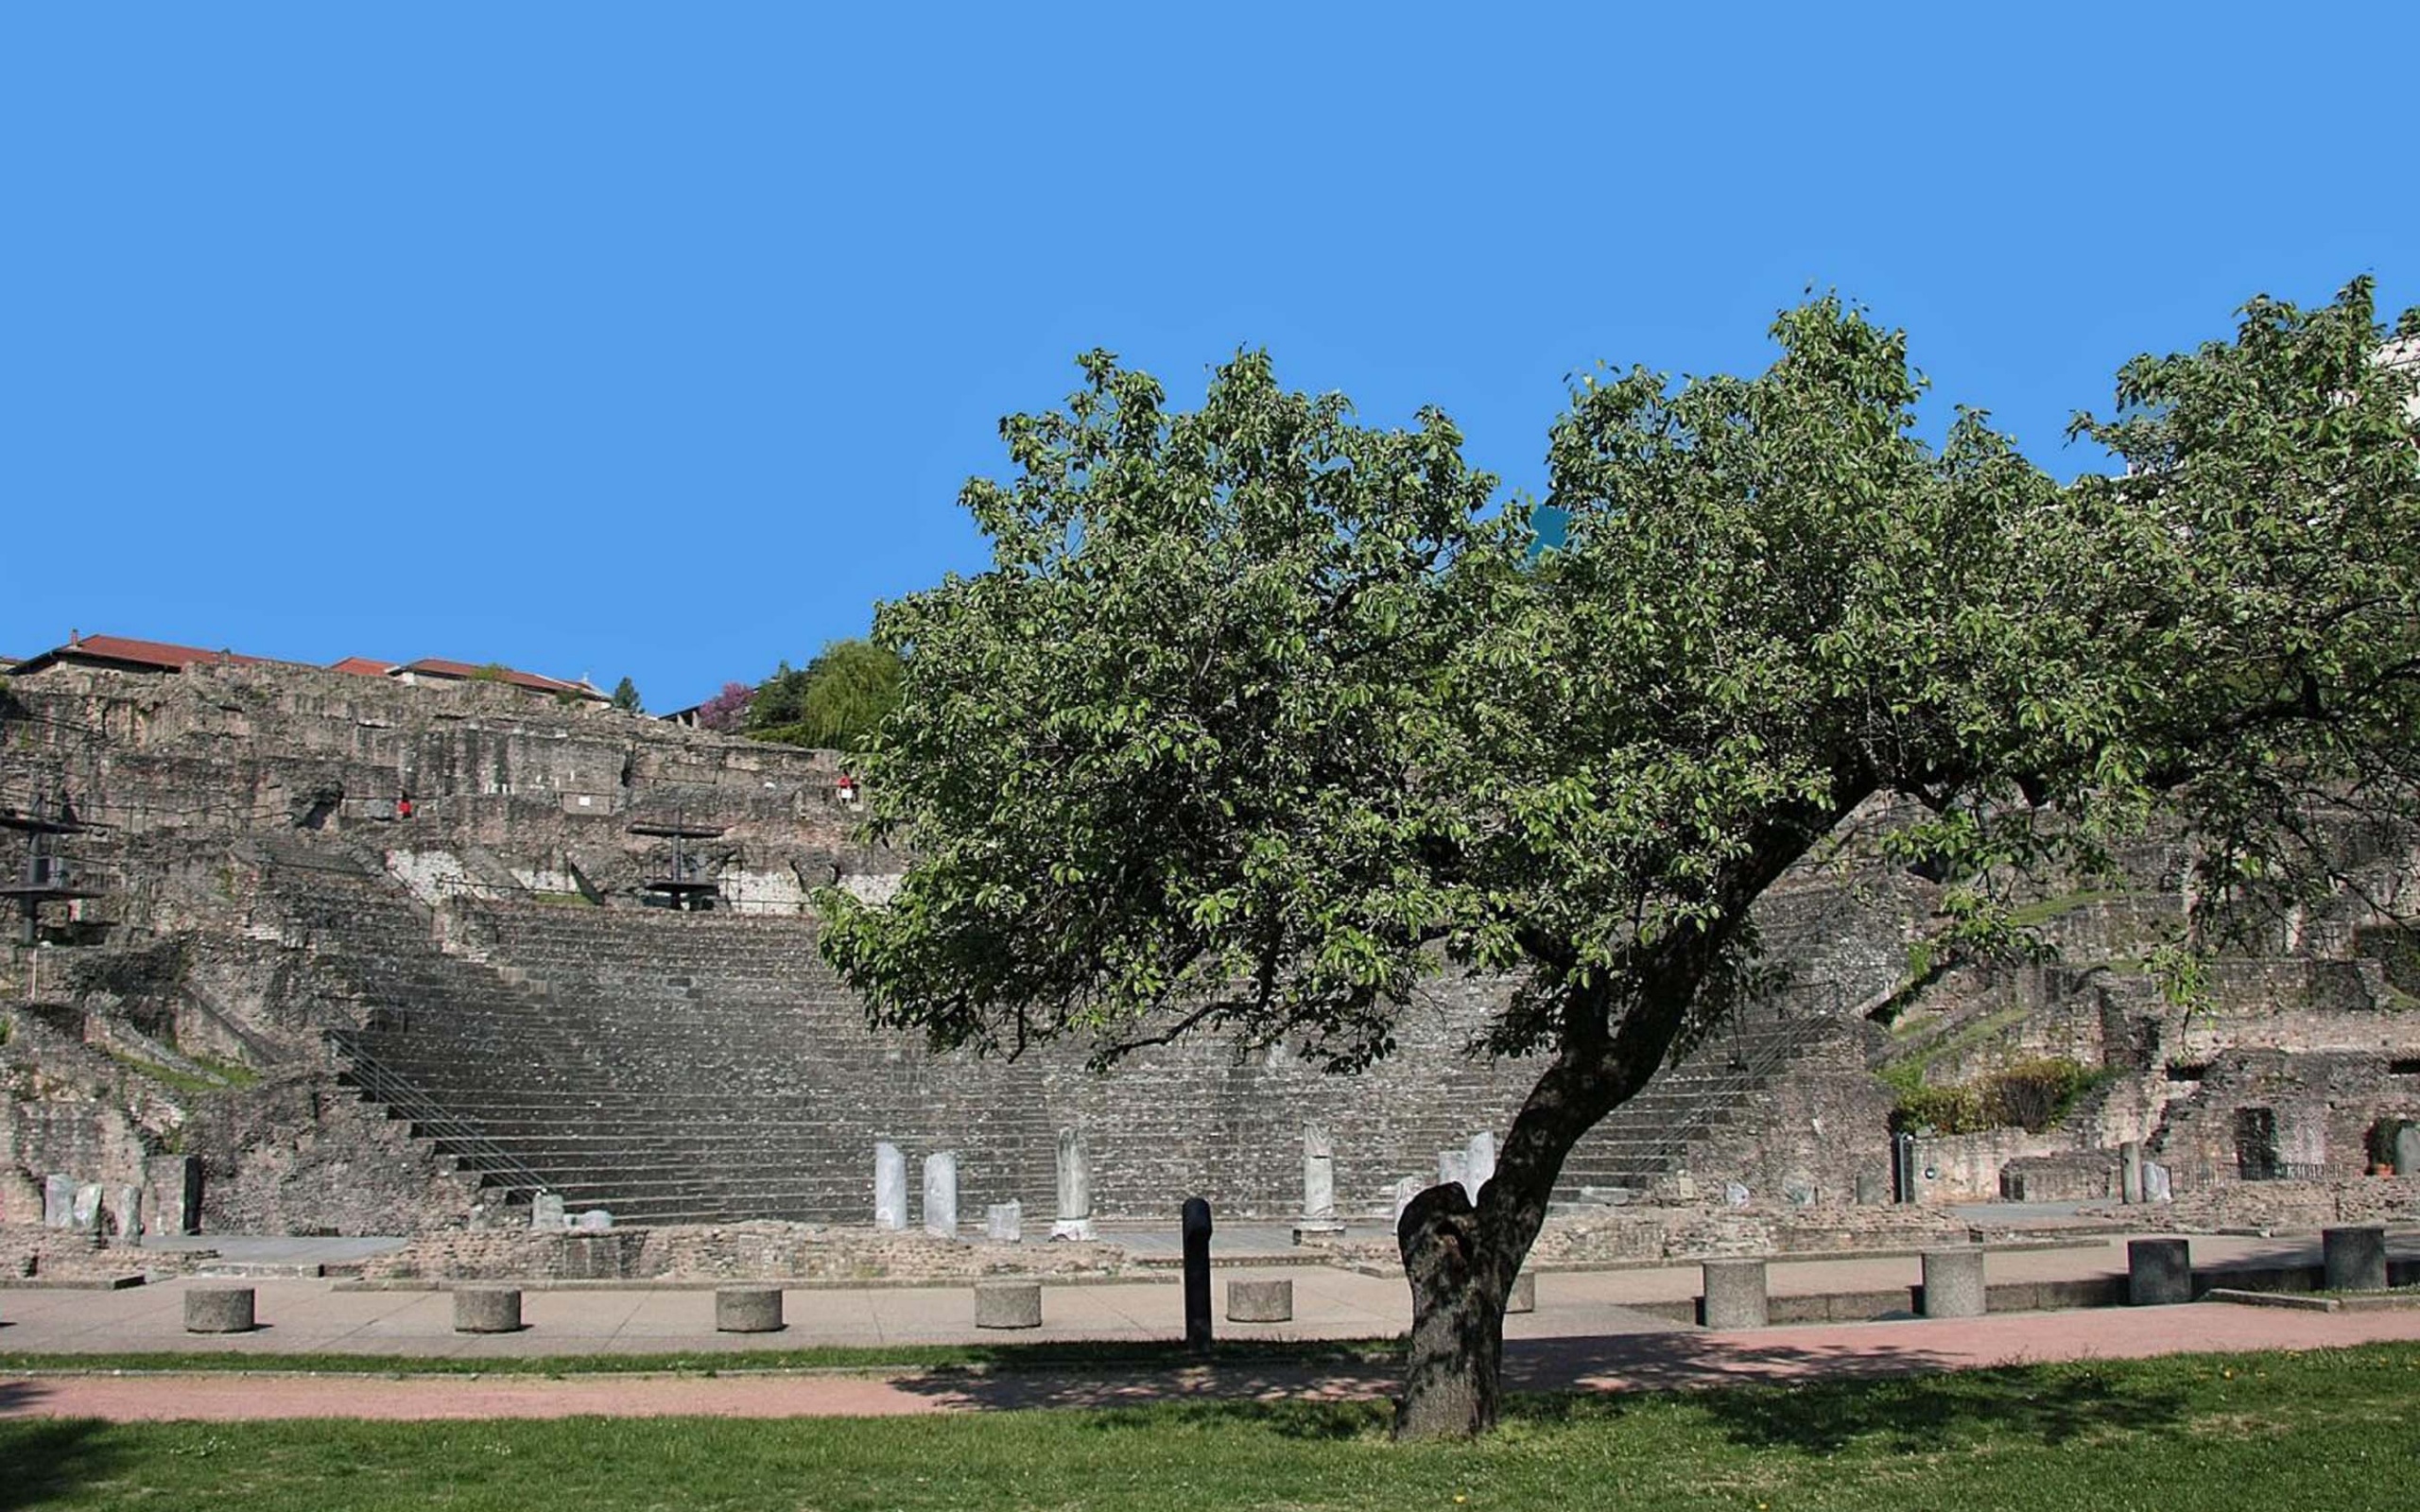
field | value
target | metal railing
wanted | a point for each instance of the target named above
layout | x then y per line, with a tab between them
459	1136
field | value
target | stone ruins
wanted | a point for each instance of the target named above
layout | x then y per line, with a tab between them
308	952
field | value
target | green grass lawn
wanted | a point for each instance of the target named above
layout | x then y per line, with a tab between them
2329	1429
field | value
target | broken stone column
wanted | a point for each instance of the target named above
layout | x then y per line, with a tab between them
487	1309
87	1211
1008	1304
546	1212
220	1310
2406	1150
941	1194
1260	1301
2354	1258
1734	1293
1407	1189
2130	1172
1004	1222
59	1202
1318	1224
2155	1182
1455	1166
890	1187
1075	1220
1478	1163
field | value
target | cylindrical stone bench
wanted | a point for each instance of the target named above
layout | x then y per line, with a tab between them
220	1310
487	1309
1008	1304
1734	1293
2354	1258
1523	1297
1954	1282
748	1309
2158	1272
1260	1301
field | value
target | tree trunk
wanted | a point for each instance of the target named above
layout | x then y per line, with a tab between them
1453	1381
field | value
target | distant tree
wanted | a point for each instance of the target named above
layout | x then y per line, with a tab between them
836	703
1261	717
626	696
726	711
493	672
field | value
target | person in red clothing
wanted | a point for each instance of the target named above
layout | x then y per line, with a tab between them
403	807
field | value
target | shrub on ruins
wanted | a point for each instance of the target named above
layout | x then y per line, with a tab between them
836	703
727	710
1261	717
626	696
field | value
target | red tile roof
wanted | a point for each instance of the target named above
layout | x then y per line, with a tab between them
363	666
159	655
439	667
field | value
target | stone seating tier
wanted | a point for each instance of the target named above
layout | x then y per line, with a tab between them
678	1067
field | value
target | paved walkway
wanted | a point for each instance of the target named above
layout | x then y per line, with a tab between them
1642	1361
321	1316
1588	1332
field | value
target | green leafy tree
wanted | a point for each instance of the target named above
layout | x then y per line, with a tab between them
1261	717
838	701
626	696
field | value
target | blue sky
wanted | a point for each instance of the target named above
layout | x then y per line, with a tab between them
656	340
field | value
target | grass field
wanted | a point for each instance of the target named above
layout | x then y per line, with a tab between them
2332	1430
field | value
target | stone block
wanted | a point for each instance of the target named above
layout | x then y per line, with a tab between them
487	1309
941	1194
220	1310
2354	1258
1262	1301
2130	1168
748	1309
546	1213
1873	1189
1478	1163
1734	1293
1954	1282
1008	1304
889	1188
1523	1295
1004	1222
2155	1182
1453	1165
1407	1189
85	1217
2159	1272
125	1214
595	1221
59	1202
2406	1150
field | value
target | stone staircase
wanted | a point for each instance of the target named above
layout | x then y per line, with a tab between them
1688	1104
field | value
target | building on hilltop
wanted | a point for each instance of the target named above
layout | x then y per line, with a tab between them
119	653
434	669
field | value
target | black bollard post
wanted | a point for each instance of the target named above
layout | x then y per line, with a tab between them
1197	1275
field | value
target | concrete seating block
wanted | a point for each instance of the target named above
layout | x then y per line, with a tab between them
1523	1295
1954	1282
220	1310
487	1309
1008	1304
2159	1272
1734	1293
748	1309
1267	1301
2354	1258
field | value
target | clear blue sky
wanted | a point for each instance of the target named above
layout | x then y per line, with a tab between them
656	339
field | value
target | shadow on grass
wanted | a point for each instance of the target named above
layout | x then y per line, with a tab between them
2049	1405
42	1458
